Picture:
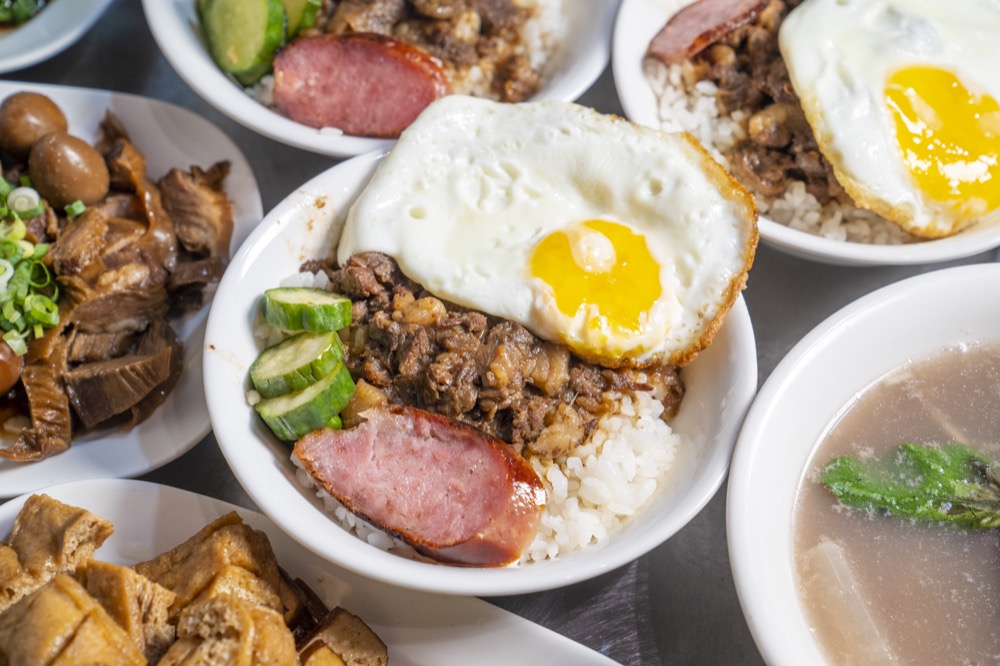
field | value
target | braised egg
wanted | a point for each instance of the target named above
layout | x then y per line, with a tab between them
625	243
902	97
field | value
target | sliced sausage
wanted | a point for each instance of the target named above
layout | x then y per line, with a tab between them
362	83
454	493
697	26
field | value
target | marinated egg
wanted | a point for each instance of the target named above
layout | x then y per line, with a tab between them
26	117
64	168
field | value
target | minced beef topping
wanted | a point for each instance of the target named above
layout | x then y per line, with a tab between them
406	346
747	66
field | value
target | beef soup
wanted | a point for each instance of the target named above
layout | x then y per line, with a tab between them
880	589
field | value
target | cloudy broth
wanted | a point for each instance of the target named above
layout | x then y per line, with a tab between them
933	594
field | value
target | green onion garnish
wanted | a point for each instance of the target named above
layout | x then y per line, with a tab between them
29	297
75	208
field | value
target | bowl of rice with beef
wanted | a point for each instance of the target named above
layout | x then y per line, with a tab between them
649	446
736	96
500	49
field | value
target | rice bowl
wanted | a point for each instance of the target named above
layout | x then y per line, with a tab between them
306	225
577	63
794	223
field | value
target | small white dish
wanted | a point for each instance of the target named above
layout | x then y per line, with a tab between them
168	136
54	29
637	23
842	356
418	628
720	385
176	29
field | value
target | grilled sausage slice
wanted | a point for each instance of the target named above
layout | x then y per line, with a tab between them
454	493
362	83
700	25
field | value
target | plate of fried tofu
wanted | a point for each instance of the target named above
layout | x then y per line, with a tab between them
122	571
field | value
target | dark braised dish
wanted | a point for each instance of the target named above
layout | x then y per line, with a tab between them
114	255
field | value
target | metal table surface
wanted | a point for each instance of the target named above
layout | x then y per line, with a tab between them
675	605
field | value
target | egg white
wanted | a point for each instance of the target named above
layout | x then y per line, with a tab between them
472	186
839	54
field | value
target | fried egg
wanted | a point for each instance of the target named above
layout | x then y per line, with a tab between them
902	97
627	244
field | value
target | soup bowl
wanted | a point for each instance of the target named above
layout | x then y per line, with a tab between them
797	405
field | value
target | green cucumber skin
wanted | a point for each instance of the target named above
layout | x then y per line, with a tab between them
297	373
201	8
301	14
320	403
314	318
227	34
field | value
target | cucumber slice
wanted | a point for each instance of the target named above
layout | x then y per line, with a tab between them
243	35
301	14
306	309
201	7
295	363
293	415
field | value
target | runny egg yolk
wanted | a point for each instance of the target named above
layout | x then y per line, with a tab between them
604	269
949	137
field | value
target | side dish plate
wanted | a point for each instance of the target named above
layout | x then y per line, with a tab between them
418	628
720	385
176	29
168	136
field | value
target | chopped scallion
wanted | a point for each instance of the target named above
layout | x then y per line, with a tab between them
75	208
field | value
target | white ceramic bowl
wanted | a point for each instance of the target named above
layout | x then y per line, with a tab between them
55	28
637	23
820	375
177	32
307	224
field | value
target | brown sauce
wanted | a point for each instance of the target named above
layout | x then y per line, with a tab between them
933	593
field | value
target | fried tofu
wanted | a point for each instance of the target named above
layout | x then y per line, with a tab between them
191	567
218	599
348	638
140	606
227	629
48	538
59	624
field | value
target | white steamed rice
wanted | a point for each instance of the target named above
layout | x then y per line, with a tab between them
694	109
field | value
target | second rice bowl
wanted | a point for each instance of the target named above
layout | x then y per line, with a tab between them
646	100
720	385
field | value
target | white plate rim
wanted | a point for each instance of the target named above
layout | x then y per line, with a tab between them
57	27
418	628
765	593
182	420
293	509
636	24
175	28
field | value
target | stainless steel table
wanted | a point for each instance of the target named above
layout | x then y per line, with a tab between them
675	605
